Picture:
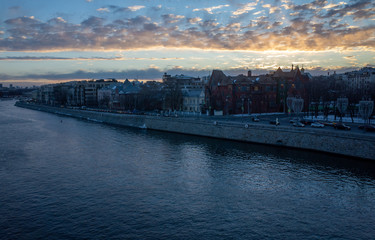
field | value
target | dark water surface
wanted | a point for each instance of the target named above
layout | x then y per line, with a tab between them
64	178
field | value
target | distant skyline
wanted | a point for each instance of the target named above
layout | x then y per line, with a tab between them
51	41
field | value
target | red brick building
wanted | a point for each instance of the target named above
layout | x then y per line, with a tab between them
254	94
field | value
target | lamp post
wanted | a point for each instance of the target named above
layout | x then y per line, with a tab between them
365	110
248	106
289	102
242	107
342	105
297	106
227	104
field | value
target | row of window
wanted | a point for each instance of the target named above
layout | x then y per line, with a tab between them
192	101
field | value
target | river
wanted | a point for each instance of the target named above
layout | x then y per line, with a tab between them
64	178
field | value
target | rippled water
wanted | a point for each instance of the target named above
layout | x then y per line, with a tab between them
63	178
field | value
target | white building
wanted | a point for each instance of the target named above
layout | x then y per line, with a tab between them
362	79
193	99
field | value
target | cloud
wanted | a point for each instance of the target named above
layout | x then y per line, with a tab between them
136	8
117	9
151	73
333	5
210	9
93	21
271	8
347	9
194	20
326	31
245	8
157	8
350	57
102	10
47	58
22	21
155	73
364	14
171	18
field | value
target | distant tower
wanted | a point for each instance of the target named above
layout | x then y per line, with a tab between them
249	73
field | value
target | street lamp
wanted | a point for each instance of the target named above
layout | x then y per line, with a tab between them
289	102
242	107
227	104
365	110
342	105
248	106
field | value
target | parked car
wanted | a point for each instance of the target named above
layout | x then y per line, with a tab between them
317	125
298	124
329	124
255	119
341	126
306	121
370	128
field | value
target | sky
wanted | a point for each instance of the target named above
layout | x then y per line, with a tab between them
44	41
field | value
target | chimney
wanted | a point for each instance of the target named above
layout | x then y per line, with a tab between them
249	73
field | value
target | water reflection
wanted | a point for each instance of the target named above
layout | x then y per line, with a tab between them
78	179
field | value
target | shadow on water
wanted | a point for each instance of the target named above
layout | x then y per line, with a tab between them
252	152
258	152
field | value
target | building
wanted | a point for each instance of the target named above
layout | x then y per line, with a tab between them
120	96
361	80
75	93
254	94
173	98
193	100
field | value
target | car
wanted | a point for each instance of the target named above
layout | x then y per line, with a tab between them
306	121
293	120
298	124
329	124
341	126
370	128
317	125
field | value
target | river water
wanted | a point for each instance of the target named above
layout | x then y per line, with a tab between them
64	178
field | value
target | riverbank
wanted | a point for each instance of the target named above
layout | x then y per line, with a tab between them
336	142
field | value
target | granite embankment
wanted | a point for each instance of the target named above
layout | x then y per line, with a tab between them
337	142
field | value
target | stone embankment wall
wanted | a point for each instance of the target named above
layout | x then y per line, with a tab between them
337	142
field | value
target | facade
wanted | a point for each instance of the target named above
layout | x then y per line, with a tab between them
120	96
255	94
183	81
178	88
76	93
193	100
359	80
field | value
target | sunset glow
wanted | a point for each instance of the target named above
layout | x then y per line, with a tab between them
50	41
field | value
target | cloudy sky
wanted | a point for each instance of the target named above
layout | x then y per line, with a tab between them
44	41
